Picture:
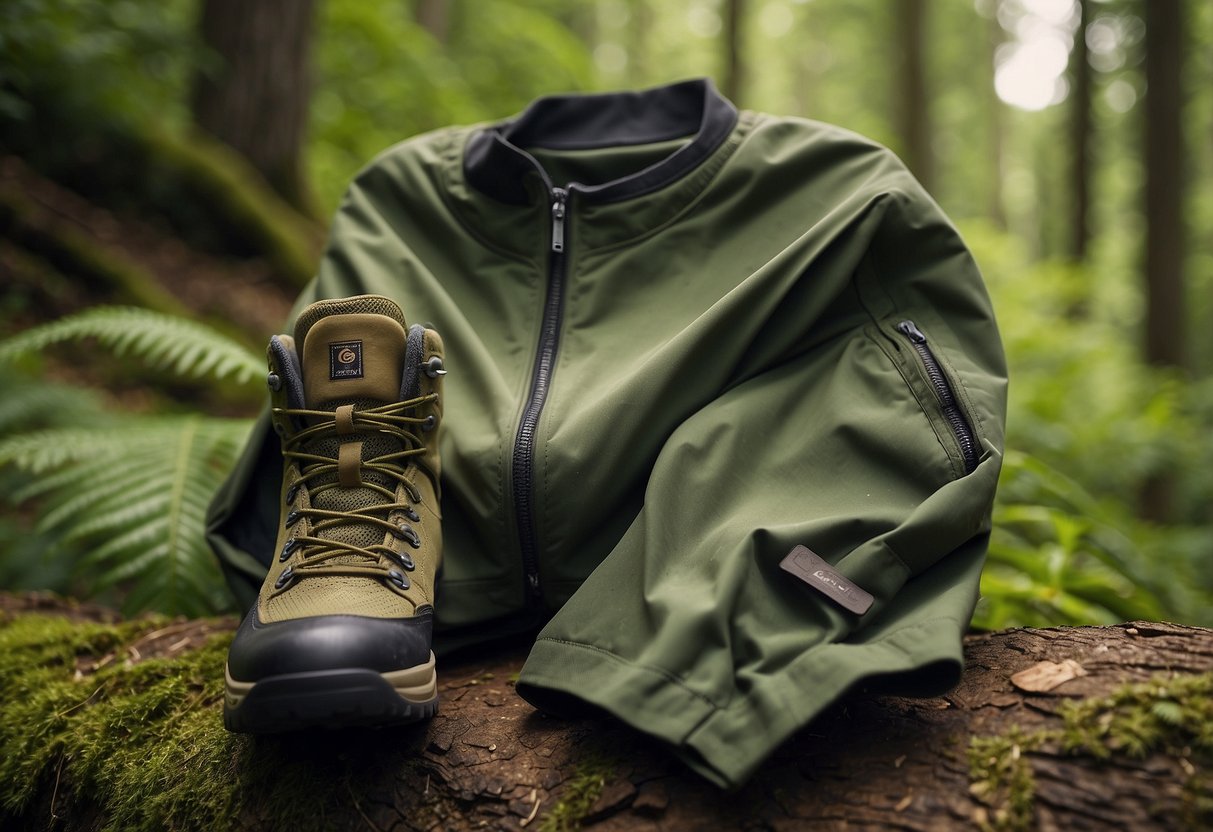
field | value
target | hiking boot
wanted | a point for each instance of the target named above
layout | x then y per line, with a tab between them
340	632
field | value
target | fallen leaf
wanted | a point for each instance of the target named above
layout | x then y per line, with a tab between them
1047	675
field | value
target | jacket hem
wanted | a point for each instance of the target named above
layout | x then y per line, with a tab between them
726	743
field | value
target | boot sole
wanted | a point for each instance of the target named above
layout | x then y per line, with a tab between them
330	699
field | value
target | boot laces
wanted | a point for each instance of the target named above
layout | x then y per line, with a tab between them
319	472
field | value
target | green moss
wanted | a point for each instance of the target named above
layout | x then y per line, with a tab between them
140	742
141	746
580	794
74	254
1137	719
287	237
1171	716
1002	778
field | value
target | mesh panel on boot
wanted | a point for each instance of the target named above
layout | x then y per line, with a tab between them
349	499
336	595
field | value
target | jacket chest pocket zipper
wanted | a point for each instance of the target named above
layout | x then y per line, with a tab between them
950	407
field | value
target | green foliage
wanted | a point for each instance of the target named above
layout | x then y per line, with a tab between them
124	57
32	559
135	498
382	77
1056	557
124	494
1090	427
167	342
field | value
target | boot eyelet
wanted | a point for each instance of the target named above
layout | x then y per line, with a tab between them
292	517
274	382
288	549
292	493
405	561
398	578
429	424
407	533
433	367
412	515
285	578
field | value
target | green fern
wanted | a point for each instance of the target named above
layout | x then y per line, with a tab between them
134	498
125	494
164	341
28	404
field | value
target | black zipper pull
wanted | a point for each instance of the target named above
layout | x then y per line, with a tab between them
559	198
965	437
908	329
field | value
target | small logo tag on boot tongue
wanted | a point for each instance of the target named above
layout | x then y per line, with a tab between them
810	568
345	360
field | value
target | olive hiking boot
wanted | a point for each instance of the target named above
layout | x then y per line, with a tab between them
340	632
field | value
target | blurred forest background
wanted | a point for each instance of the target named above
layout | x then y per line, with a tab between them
166	168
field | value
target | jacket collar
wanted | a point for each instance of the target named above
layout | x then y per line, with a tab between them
496	163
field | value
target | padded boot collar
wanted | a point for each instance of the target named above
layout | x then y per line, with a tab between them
496	164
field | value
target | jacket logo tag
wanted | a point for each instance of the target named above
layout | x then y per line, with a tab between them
345	360
808	567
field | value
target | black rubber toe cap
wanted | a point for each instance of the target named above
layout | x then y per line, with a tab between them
328	642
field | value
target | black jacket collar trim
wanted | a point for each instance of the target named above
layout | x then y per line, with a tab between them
496	164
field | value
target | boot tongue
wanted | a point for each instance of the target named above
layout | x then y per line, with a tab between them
353	353
350	358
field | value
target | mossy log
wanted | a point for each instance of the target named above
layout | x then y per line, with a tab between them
72	253
113	724
290	240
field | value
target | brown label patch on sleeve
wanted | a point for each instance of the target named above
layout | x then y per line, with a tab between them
808	567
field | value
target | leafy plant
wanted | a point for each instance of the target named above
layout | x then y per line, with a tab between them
186	347
1090	428
1057	557
128	491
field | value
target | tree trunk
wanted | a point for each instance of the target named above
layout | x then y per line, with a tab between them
1165	329
640	26
434	16
913	105
734	45
1080	139
1045	731
255	98
996	209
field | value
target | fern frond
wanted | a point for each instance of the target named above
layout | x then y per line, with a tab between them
164	341
39	451
28	403
135	497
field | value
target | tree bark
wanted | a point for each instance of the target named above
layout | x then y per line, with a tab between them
1165	324
996	208
734	43
913	104
1080	139
991	754
256	98
435	17
640	27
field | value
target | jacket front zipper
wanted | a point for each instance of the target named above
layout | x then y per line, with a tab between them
545	360
943	391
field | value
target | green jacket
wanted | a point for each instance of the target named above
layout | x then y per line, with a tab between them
682	341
